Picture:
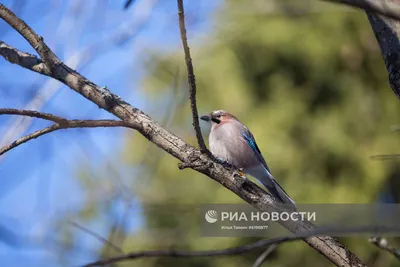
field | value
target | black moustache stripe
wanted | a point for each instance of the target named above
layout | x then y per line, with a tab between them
215	120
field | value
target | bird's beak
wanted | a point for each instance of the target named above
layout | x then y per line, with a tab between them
205	118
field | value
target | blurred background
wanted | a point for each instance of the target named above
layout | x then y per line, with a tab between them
307	77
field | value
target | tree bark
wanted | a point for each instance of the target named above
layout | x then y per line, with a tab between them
387	32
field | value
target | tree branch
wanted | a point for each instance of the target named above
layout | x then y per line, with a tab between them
387	32
60	123
79	60
271	243
383	244
384	17
26	60
36	41
260	260
385	157
245	189
395	127
382	7
191	79
97	236
32	113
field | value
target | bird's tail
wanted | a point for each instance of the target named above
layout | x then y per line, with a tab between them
265	177
277	191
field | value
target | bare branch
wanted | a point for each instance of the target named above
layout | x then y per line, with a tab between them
136	119
385	157
382	7
260	260
384	17
77	60
383	244
240	249
395	127
60	123
28	137
128	3
191	79
23	59
32	113
34	40
97	236
387	32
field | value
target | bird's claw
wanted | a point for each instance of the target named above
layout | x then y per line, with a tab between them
241	173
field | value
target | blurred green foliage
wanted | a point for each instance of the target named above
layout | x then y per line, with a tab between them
310	83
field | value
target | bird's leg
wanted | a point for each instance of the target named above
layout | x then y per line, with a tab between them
224	163
227	164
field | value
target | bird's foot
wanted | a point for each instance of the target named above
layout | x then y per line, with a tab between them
241	173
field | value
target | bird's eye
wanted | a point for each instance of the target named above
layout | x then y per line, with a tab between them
219	116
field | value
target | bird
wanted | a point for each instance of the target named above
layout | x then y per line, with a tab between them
230	141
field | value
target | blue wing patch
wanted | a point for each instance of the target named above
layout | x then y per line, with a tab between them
252	143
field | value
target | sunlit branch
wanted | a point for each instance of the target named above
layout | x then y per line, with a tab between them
191	79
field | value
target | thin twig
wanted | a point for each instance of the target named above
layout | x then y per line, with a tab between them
244	248
97	236
28	137
60	123
385	157
128	3
191	79
395	127
32	113
383	244
381	7
260	260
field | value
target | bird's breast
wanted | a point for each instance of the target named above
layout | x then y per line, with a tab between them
227	143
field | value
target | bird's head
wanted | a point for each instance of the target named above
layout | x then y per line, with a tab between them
218	117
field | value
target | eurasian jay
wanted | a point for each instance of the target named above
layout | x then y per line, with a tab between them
231	142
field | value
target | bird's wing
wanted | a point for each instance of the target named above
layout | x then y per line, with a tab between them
274	188
248	136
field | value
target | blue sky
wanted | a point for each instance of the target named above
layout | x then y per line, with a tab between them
38	178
